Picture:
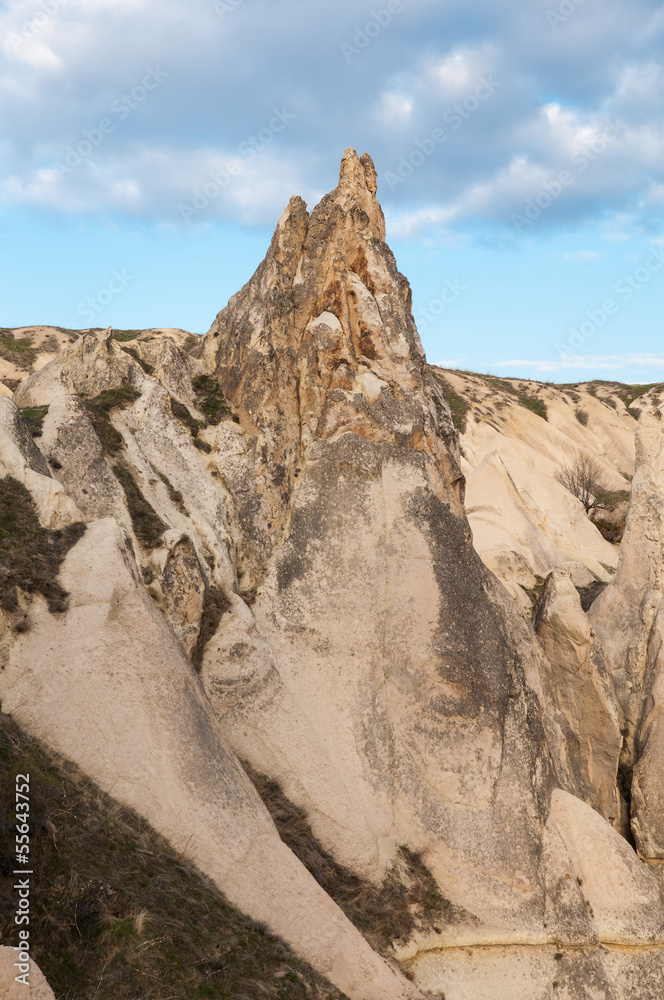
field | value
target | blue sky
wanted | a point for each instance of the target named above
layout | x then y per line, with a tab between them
148	148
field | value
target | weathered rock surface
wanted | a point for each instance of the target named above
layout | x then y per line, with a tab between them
109	686
514	436
284	508
36	988
629	620
583	693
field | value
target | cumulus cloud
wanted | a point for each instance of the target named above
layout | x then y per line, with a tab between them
517	101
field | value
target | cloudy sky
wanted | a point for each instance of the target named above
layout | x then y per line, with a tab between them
148	148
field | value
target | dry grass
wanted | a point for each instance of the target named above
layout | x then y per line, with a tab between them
408	898
34	419
148	526
99	408
18	350
117	914
30	556
216	604
210	399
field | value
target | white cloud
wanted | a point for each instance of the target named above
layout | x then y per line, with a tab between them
590	362
581	255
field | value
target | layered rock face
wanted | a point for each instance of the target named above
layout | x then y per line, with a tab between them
278	571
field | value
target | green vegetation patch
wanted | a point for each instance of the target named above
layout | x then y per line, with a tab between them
30	556
582	417
459	406
122	336
636	391
34	418
534	593
627	393
18	350
148	526
210	399
216	604
407	899
181	413
99	408
535	404
117	913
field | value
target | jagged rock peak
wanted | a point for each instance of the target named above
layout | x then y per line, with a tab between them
321	343
357	187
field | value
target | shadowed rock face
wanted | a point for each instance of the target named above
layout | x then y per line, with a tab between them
296	529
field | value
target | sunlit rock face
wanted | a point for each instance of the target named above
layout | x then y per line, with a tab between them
278	569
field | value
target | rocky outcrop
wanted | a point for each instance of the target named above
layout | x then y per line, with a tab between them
34	987
109	686
515	437
582	691
629	621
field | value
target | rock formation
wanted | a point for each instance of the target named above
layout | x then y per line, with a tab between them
628	619
278	577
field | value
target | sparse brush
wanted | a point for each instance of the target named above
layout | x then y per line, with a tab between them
534	404
459	406
407	899
210	399
99	408
17	350
148	526
119	915
34	419
30	556
215	606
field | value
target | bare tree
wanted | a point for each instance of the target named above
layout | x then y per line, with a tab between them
583	479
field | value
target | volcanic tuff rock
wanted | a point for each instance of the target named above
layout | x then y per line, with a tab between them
36	989
278	569
628	618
